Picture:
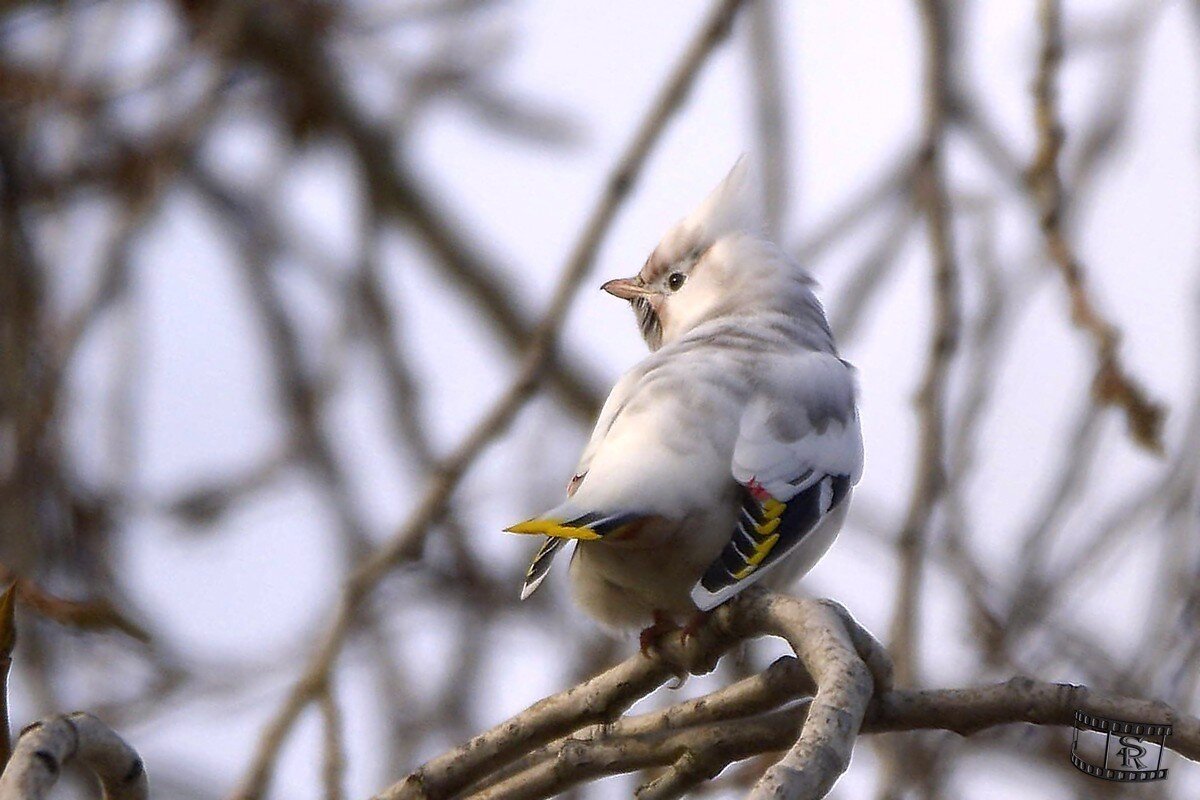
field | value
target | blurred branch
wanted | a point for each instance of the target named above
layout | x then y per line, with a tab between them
770	112
1110	118
894	181
869	277
298	60
87	615
46	747
206	501
933	199
1112	385
984	344
302	399
333	748
1032	588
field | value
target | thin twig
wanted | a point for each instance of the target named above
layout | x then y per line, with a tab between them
868	278
333	750
86	615
929	481
300	61
1112	384
934	201
893	182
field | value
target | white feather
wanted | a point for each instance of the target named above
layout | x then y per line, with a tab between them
802	427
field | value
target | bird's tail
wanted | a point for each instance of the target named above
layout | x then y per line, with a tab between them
539	568
566	522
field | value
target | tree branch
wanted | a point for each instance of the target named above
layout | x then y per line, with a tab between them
579	734
844	660
1112	384
933	198
46	747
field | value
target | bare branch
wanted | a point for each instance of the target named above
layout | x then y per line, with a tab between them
97	614
1112	384
844	660
46	747
844	687
297	59
968	711
601	699
868	278
535	754
333	755
893	182
934	200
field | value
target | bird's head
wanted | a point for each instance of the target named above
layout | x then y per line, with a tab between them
715	262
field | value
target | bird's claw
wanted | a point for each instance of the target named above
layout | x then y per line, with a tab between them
649	638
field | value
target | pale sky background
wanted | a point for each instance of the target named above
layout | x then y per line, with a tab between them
262	588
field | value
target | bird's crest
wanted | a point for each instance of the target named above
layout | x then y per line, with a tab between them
734	205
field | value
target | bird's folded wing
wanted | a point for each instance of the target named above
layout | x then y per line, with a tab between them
613	406
798	452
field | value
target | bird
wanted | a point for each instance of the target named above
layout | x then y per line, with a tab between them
725	457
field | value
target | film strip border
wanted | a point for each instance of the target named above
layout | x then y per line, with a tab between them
1102	725
1121	775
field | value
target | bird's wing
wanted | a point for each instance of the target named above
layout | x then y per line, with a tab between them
613	405
561	525
798	452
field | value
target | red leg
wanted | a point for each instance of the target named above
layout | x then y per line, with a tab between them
649	638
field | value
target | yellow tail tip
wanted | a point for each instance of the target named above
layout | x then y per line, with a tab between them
552	527
529	526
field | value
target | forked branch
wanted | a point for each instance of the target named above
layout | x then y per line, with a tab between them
812	707
844	662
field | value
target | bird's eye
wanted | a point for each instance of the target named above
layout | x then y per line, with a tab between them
675	281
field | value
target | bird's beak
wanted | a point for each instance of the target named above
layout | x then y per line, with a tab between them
626	288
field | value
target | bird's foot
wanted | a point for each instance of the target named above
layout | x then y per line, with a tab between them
649	638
